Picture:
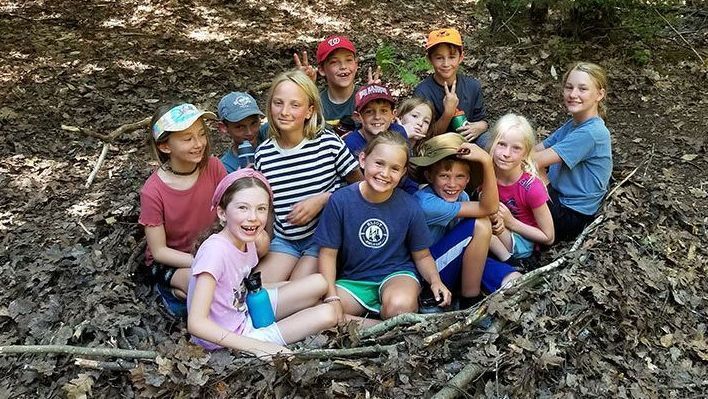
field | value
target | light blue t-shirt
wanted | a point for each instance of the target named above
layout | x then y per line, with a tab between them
440	215
230	161
584	175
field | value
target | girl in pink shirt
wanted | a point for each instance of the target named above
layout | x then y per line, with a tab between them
218	315
523	219
174	202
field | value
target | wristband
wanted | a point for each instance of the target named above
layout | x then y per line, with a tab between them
332	298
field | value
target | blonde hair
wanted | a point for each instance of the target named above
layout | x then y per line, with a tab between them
387	137
520	124
153	144
598	76
313	125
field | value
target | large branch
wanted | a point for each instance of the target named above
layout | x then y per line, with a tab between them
77	350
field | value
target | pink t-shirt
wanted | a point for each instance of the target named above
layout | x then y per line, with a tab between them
229	266
185	214
522	197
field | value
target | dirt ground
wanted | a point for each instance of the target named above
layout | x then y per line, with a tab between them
624	317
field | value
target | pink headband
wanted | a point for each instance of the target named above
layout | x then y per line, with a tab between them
231	178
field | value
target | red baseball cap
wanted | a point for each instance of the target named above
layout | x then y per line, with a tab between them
372	92
334	42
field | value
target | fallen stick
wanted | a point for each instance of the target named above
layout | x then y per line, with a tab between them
346	352
97	166
618	185
681	36
118	365
401	319
107	138
525	280
457	384
77	350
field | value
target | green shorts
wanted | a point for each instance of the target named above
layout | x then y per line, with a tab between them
368	293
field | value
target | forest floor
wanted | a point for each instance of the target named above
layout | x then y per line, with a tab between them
624	317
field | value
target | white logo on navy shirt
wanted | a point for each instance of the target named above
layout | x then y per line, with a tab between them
373	233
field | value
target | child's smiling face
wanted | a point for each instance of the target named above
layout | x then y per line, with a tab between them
375	117
339	69
449	184
245	215
446	59
418	119
290	107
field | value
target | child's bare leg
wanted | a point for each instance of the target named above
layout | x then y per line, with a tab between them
307	322
276	266
306	266
498	249
474	257
180	282
399	295
300	294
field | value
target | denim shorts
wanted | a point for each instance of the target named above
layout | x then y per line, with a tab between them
295	248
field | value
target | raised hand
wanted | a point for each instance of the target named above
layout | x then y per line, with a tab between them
375	77
304	65
450	101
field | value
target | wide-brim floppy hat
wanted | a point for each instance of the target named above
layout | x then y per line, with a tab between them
437	148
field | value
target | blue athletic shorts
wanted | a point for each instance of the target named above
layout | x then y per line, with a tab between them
523	247
448	253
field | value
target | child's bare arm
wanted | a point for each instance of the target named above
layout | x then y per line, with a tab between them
307	209
201	326
327	264
489	200
157	242
543	234
546	157
425	264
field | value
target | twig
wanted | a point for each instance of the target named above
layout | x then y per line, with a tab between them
84	227
97	166
347	352
681	36
77	350
118	365
618	185
128	127
469	373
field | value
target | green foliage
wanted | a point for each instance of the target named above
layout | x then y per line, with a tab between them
408	70
641	56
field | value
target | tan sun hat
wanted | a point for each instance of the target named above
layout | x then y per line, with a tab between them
437	148
440	147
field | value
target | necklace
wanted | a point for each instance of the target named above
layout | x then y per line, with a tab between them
166	166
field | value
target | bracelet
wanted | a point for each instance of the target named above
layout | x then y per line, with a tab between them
332	298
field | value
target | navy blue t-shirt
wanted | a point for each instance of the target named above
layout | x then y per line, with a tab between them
468	90
374	240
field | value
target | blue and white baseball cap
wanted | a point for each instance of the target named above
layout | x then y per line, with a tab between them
237	106
178	118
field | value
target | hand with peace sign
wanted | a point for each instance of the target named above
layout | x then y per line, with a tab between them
450	101
375	77
305	66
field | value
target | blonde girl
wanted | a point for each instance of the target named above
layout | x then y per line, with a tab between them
523	219
415	115
174	201
218	315
379	234
304	164
579	154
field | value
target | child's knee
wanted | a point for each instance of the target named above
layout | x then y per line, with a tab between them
317	283
398	304
483	227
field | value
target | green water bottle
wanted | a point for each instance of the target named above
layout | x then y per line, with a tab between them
458	120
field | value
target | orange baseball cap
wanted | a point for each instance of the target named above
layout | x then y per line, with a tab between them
445	35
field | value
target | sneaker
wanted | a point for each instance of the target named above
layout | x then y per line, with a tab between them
175	306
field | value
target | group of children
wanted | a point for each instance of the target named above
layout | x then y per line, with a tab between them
353	209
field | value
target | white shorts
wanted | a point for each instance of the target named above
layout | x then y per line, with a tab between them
267	334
